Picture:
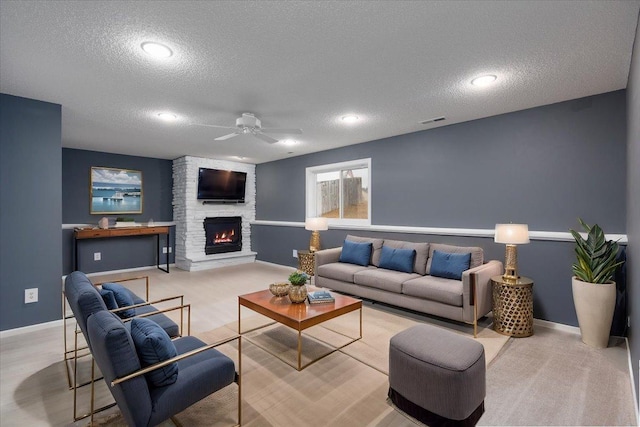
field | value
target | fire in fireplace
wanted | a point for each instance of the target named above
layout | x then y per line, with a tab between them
224	237
223	234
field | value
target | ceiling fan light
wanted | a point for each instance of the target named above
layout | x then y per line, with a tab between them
484	81
156	50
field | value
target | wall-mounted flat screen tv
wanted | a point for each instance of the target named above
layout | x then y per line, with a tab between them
221	185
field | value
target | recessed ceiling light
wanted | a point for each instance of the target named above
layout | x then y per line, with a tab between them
350	118
484	81
167	117
240	157
289	141
156	50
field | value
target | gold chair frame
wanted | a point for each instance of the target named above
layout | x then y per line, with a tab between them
72	356
148	369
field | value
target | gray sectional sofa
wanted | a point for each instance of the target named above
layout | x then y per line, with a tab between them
464	300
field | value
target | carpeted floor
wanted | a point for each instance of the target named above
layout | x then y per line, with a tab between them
549	379
345	388
546	379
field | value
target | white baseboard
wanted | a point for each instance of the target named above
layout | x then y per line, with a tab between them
557	326
31	328
273	264
633	381
125	270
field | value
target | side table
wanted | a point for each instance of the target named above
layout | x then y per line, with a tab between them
306	262
513	306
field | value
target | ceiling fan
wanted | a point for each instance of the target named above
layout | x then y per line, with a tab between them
249	124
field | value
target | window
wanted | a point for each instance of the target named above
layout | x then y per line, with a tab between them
340	192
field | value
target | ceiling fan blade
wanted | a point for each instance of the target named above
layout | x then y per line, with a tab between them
223	137
213	126
265	138
277	130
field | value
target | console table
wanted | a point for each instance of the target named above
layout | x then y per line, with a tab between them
106	233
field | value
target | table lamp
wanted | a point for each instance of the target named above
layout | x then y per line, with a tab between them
511	235
315	225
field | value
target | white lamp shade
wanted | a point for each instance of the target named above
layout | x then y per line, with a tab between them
316	224
514	234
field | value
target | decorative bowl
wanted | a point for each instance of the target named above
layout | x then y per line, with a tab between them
279	289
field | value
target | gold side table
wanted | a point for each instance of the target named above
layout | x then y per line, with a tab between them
306	262
513	306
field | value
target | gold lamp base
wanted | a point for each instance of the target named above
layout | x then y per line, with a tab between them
314	243
511	263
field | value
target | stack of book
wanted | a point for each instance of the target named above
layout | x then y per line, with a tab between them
320	297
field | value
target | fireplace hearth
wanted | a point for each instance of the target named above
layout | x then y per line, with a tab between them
223	234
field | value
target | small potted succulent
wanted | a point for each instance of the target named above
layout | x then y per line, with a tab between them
298	290
594	291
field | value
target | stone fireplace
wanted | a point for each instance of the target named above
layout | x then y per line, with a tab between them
205	238
222	235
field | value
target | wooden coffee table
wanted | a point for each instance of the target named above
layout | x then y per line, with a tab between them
298	316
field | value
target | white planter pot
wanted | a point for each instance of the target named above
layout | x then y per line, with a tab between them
595	304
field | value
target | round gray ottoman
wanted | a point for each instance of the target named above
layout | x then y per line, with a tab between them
437	376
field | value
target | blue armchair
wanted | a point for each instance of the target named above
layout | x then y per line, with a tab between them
84	300
202	370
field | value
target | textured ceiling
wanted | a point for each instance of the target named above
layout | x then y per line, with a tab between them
301	65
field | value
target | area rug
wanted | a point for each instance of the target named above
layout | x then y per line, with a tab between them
380	323
346	388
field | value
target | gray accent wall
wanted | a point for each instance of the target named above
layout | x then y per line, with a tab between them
633	206
544	166
123	252
31	210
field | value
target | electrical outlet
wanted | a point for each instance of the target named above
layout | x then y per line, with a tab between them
30	295
97	256
295	253
164	249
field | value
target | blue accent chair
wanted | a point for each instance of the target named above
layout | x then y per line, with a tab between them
84	300
202	370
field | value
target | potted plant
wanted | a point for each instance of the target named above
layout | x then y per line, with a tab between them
594	291
298	290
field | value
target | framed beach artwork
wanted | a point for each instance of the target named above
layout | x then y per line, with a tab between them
116	191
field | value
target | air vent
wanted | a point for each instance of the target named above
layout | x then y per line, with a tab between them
436	119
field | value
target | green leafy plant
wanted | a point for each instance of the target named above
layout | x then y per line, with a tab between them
298	278
596	257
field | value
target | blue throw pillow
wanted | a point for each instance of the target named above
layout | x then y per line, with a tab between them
123	298
356	253
397	259
449	266
153	345
109	299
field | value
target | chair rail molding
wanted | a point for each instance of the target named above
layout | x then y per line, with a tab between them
559	236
